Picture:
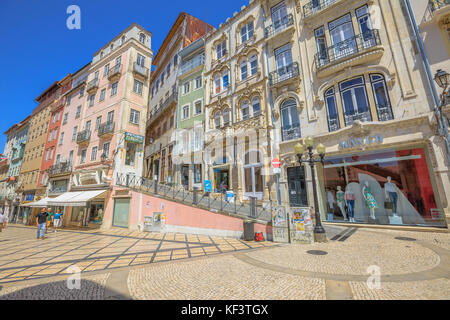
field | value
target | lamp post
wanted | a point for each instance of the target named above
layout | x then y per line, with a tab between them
442	78
312	159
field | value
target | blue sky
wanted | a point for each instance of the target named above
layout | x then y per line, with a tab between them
37	48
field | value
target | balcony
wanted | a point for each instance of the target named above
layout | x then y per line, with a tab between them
435	5
106	130
140	71
361	48
92	86
60	169
115	72
316	6
279	26
58	189
4	163
385	113
84	137
191	64
157	111
291	133
360	116
58	104
284	74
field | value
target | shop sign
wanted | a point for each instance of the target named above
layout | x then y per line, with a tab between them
361	142
134	138
208	187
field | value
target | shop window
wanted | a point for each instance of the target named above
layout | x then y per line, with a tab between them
391	187
290	120
380	93
354	100
130	157
197	173
253	175
332	114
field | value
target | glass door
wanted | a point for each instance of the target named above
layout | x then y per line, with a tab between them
342	37
279	16
283	57
297	187
121	213
365	27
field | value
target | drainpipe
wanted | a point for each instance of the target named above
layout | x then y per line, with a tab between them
442	123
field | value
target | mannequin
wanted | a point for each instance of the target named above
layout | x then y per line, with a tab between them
350	198
341	202
390	190
331	201
371	203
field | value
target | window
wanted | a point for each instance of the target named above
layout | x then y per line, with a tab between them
51	154
256	106
283	58
130	154
198	82
102	94
106	71
217	87
142	38
66	116
88	126
55	132
321	43
98	122
106	150
69	98
332	114
175	60
94	154
114	88
279	16
140	60
197	173
354	101
74	134
54	118
253	65
365	26
226	116
78	114
253	175
46	154
245	110
186	87
197	107
225	79
83	156
217	119
134	116
138	86
244	70
91	100
111	47
168	70
290	120
70	158
341	32
61	139
81	92
162	79
381	97
247	32
122	41
185	113
221	49
110	117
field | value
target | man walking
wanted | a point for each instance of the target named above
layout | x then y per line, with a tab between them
41	221
3	221
49	219
57	220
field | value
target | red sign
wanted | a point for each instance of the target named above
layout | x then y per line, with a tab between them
276	163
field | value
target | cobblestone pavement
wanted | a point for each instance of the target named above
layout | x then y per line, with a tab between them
411	265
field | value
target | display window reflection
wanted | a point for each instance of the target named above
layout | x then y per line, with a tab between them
390	187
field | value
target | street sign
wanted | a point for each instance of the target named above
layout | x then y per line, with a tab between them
276	170
276	163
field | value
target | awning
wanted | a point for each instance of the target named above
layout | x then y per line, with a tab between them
75	199
43	203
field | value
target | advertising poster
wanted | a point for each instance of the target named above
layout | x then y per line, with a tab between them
280	229
301	226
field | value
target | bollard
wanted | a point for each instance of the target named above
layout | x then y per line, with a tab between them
156	186
195	196
252	206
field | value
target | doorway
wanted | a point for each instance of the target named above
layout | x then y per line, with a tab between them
221	180
297	187
121	213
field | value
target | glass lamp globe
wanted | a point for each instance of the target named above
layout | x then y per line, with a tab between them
321	149
309	142
442	78
299	148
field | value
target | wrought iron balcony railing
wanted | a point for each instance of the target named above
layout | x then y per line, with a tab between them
156	111
348	47
385	113
115	71
106	128
333	124
60	168
361	116
291	132
284	73
192	64
58	189
92	85
279	26
435	5
141	70
315	6
84	136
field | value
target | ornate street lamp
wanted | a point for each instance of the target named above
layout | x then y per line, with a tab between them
312	159
442	79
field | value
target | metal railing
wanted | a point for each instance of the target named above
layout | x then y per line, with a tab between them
361	116
143	71
208	201
333	124
106	128
279	25
385	113
291	133
435	5
114	71
83	136
315	6
58	189
284	73
156	111
348	47
60	168
191	64
93	84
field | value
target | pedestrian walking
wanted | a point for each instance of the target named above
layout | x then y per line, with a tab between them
49	219
3	221
41	222
57	220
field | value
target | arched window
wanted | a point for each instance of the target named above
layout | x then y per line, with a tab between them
123	40
244	69
253	175
332	113
354	101
226	116
245	110
380	93
142	38
111	47
256	106
290	120
217	119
